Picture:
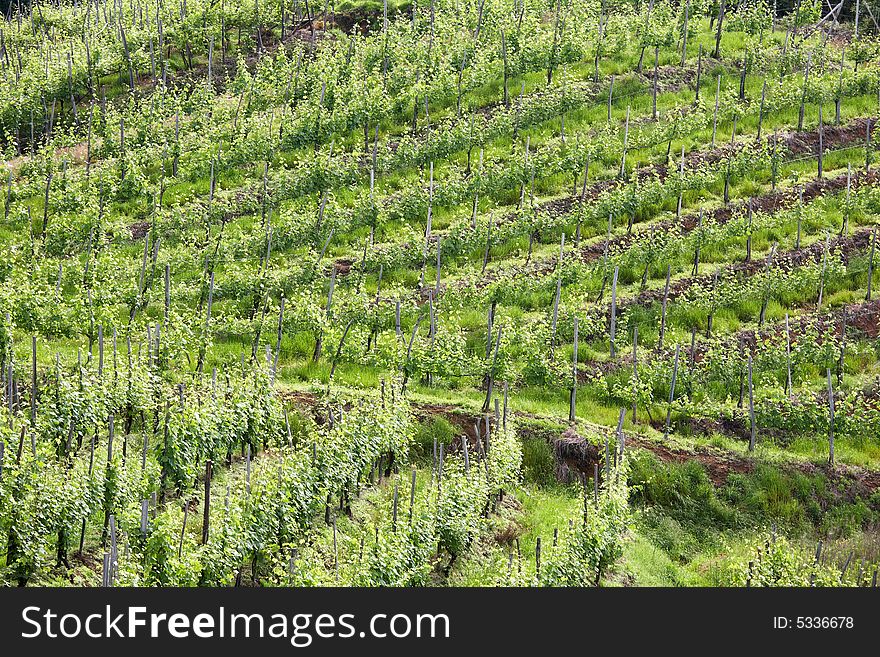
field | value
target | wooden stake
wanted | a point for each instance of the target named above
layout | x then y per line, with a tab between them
613	329
715	114
394	511
684	36
752	428
145	517
182	530
538	558
635	367
822	279
800	125
788	387
412	492
761	110
671	393
663	308
207	517
610	97
654	90
247	480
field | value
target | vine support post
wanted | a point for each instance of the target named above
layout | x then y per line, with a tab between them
207	516
491	382
182	530
678	205
247	476
788	386
506	95
822	276
538	558
671	393
82	535
437	282
504	412
100	351
394	511
613	327
635	370
412	493
610	97
715	113
800	125
721	12
684	36
556	298
145	518
34	387
663	308
167	311
856	24
761	109
625	144
752	427
110	434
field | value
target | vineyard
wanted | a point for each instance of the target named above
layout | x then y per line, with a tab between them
439	293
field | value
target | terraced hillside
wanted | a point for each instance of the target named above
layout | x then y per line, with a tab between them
482	292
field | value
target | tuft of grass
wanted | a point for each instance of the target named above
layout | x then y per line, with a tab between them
539	464
436	428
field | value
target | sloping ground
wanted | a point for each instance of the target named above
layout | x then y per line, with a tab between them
576	453
797	143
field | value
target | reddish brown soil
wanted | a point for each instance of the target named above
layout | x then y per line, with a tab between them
139	230
343	266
